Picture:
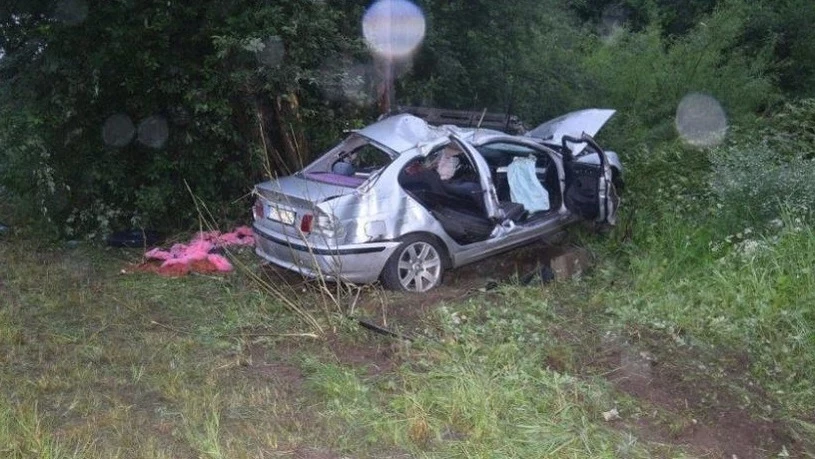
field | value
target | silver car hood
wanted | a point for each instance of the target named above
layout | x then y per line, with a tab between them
572	124
301	189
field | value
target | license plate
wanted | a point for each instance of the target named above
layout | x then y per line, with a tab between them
281	215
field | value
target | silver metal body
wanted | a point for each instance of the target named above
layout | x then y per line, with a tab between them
322	223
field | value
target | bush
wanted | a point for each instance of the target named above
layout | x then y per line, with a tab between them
755	179
197	71
717	251
754	182
644	75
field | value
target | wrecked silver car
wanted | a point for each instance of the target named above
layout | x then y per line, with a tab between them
401	200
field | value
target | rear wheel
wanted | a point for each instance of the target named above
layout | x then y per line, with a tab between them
415	266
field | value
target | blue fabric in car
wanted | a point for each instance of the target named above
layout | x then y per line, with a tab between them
524	186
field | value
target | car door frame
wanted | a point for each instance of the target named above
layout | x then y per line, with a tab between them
527	142
491	204
520	234
607	200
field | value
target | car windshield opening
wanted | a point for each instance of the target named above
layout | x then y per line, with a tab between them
349	164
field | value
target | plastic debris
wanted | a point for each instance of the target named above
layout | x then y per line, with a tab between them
611	415
202	254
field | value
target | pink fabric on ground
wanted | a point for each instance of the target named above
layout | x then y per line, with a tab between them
221	263
197	254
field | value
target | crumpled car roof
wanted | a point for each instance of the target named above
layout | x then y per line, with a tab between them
402	132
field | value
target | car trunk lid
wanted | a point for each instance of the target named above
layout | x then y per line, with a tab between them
300	191
290	204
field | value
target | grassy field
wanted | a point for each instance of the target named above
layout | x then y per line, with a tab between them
101	362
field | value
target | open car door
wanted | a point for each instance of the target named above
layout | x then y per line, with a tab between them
490	197
589	192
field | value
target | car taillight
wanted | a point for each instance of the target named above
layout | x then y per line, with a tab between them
257	210
306	222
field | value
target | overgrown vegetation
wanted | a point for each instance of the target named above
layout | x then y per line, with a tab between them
102	364
719	254
713	256
107	109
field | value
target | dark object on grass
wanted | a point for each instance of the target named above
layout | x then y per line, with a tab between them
4	229
381	330
134	238
491	285
543	273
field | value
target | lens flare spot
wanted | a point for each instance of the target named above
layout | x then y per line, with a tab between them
72	12
701	120
118	130
153	131
272	52
612	22
346	81
393	29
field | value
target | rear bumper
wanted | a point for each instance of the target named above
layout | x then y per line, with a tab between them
358	263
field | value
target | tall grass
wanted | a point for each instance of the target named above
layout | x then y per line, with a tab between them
484	389
24	434
718	265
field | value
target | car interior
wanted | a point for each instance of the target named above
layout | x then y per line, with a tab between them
499	156
458	202
349	164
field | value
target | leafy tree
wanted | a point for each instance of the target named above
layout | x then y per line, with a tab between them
645	76
207	69
254	87
502	56
789	23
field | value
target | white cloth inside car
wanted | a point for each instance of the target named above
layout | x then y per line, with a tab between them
524	186
448	164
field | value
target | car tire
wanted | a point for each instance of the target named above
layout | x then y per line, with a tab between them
416	266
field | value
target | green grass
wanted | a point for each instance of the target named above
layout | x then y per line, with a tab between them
102	364
754	293
99	363
705	271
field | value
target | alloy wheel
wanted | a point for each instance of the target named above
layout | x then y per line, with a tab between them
419	267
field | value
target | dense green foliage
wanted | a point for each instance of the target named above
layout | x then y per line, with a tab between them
200	68
717	251
253	87
713	254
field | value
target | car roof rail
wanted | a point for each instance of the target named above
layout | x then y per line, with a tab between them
503	122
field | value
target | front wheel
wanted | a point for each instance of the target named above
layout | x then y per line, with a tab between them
415	266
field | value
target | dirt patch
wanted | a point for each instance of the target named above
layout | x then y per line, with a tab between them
283	376
378	357
704	403
254	365
408	312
